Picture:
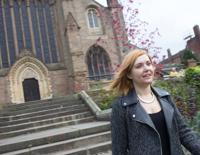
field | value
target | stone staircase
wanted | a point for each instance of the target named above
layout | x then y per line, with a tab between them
59	126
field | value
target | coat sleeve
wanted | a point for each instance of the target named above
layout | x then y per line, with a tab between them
187	137
118	129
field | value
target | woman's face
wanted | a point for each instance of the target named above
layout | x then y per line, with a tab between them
142	72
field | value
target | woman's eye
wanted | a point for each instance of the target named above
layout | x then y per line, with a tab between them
138	66
149	63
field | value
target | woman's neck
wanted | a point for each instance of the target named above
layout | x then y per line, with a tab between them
143	90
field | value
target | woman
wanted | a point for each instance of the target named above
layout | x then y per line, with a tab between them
144	120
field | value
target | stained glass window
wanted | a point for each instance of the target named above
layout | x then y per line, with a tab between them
43	32
33	29
9	31
26	25
18	25
4	56
33	9
51	35
98	63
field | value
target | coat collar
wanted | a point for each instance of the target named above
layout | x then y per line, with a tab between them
131	97
142	116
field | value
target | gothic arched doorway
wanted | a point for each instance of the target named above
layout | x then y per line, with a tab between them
31	89
29	72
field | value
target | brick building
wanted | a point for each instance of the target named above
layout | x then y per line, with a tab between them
172	59
193	44
50	48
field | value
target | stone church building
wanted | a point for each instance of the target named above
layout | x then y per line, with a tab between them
51	48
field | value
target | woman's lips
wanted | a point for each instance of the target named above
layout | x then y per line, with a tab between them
147	75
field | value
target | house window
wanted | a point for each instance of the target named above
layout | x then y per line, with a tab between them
98	63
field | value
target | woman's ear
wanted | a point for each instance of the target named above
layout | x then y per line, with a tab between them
129	76
154	67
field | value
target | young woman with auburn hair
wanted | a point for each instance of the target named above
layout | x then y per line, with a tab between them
144	120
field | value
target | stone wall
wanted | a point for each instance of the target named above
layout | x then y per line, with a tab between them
4	92
81	39
74	38
59	83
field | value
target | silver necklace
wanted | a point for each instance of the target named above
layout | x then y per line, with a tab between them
147	101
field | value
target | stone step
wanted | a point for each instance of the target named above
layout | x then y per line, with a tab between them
29	104
64	146
94	149
51	136
43	122
46	127
39	112
69	111
45	106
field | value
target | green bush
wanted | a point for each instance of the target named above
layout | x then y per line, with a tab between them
185	97
187	55
107	98
176	87
192	78
195	123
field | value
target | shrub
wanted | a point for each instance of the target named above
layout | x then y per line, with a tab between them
195	123
176	87
187	55
192	78
107	98
185	97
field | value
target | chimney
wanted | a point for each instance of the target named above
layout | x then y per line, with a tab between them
169	53
164	56
196	31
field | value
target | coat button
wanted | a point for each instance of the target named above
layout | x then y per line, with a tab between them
125	103
133	115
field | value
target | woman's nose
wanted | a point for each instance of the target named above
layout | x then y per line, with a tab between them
146	67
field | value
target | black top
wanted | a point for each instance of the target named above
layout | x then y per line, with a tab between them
160	124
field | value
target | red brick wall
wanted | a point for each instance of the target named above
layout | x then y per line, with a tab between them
194	45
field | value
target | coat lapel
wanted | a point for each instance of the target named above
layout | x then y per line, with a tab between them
142	117
168	112
140	114
165	105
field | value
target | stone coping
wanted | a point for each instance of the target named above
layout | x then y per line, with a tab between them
100	114
51	67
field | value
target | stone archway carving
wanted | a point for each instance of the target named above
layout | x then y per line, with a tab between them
25	68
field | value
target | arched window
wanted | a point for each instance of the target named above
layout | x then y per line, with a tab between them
94	21
98	62
93	18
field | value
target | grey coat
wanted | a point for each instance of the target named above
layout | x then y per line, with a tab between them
133	132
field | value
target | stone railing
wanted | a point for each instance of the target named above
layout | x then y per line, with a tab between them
100	114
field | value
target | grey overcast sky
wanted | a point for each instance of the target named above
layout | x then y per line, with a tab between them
174	19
